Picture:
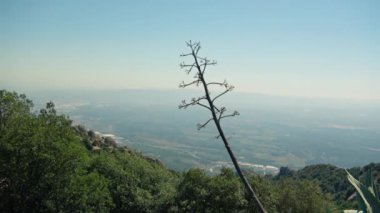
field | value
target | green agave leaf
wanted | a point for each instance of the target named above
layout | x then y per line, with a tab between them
361	204
371	185
368	178
372	204
369	182
376	190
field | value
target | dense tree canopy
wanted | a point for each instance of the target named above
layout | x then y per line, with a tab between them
42	161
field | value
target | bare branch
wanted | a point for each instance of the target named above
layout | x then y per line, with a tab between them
183	65
204	62
217	109
186	65
194	101
221	112
185	54
204	68
198	99
215	83
190	44
183	84
228	89
205	65
197	48
183	105
223	84
200	126
204	106
235	113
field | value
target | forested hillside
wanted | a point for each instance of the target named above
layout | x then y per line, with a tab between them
49	165
333	180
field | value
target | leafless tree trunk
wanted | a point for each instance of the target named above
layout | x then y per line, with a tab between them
199	66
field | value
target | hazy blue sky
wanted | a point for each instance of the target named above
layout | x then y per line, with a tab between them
313	48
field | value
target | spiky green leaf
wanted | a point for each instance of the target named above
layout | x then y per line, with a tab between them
371	202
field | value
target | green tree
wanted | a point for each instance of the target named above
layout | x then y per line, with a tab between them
40	155
193	191
226	192
302	196
84	192
136	185
267	192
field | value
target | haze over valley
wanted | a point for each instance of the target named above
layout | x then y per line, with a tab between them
271	131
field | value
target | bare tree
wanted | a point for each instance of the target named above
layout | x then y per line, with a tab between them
198	66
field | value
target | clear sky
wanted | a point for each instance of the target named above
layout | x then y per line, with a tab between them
320	48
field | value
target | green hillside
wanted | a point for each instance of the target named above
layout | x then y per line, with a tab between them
49	165
333	180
